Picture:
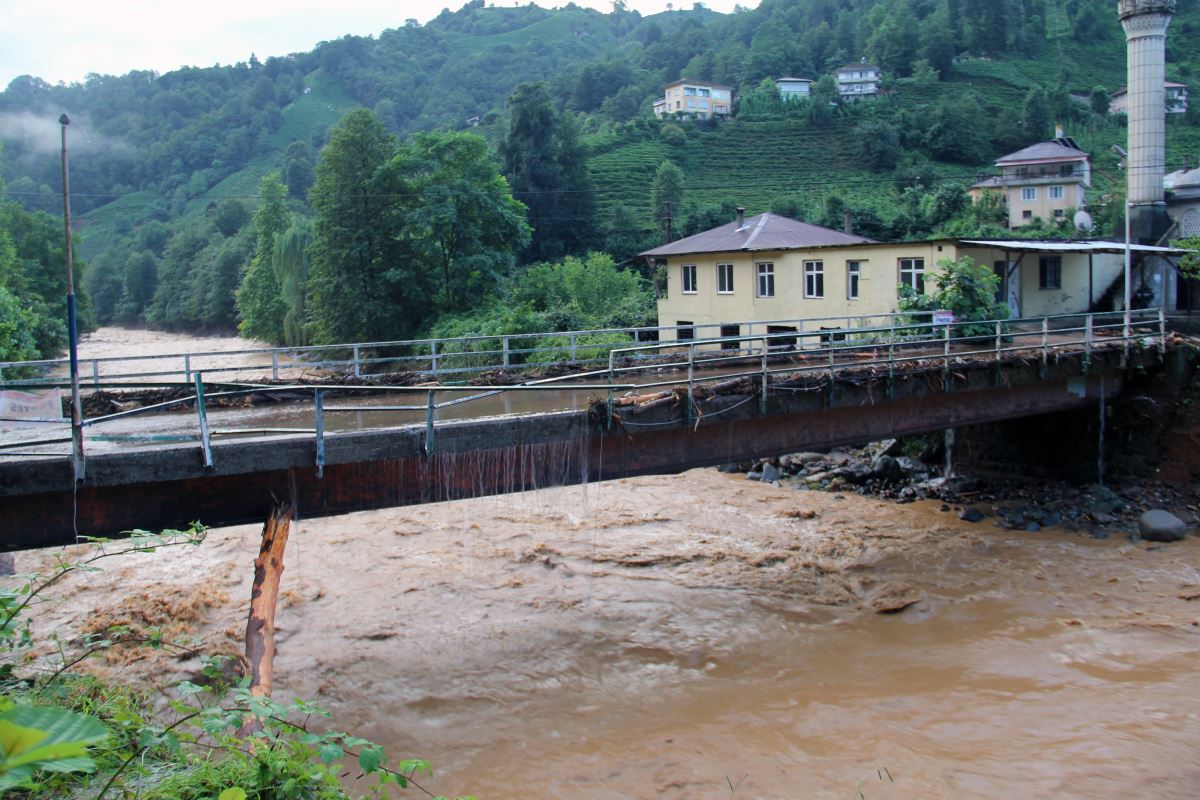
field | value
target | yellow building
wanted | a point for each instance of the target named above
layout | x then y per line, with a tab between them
1043	181
766	273
696	99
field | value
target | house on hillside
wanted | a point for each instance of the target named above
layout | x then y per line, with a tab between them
762	274
1042	181
695	100
794	88
860	80
1176	99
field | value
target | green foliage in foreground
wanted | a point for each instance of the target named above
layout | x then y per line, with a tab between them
964	287
66	734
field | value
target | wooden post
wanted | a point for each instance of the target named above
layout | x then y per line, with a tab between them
260	627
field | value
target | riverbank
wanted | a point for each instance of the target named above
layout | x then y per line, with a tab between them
672	636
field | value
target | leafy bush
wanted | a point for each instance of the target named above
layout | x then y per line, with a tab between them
965	288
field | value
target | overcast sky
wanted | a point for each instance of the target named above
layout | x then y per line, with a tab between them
66	40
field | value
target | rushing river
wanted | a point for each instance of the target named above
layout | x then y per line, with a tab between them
702	636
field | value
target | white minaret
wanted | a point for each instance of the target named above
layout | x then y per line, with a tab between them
1145	23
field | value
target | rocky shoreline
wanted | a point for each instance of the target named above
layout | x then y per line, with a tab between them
907	471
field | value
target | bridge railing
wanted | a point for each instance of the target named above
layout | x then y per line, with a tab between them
905	343
435	358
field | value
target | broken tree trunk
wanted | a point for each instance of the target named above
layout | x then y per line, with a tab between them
260	627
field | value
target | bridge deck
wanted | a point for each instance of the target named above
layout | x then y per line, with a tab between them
170	485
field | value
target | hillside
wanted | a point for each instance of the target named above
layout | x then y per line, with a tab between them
965	81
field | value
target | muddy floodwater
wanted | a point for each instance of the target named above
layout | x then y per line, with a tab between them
702	636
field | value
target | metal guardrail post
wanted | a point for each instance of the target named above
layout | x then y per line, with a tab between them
999	340
1045	345
202	415
433	357
95	373
1162	332
430	410
832	376
1087	343
505	346
691	386
572	355
274	366
357	365
762	402
319	420
187	368
946	359
891	358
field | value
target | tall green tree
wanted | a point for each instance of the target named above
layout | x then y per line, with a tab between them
546	169
260	302
666	198
453	209
291	264
363	283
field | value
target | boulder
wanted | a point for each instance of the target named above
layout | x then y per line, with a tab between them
889	447
971	515
805	458
1158	525
769	474
754	476
1101	500
7	564
887	468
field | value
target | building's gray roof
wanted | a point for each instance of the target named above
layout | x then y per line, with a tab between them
856	66
987	183
763	232
1042	151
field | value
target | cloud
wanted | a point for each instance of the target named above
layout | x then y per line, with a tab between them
39	133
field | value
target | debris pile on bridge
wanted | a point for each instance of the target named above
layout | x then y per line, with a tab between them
814	372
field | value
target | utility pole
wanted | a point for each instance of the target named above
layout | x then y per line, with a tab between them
77	462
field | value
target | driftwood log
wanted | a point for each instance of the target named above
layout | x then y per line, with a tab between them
264	596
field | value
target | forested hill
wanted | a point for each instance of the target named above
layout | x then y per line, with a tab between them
166	169
178	134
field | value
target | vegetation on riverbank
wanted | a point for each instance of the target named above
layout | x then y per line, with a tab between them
67	733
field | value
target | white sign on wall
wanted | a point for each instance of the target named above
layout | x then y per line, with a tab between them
26	409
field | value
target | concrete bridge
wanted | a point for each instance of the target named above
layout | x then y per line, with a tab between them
712	402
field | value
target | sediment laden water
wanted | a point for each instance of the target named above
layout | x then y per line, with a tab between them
670	637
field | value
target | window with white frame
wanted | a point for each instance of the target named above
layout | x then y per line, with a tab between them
1057	193
853	276
1029	193
912	273
766	279
814	279
724	278
688	278
1050	272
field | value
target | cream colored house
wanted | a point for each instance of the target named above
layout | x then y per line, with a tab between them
763	274
1175	96
1043	181
695	99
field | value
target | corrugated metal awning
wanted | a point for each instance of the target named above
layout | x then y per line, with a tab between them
1082	246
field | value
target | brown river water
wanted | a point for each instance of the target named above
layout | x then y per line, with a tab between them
671	637
702	636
